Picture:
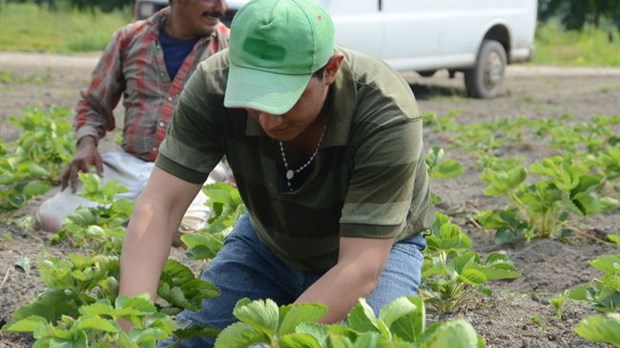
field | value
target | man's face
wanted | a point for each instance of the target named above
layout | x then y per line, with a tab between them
201	16
288	126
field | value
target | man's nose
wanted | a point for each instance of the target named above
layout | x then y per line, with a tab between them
269	121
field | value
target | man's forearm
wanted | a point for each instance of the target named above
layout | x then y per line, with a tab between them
360	264
145	250
340	289
87	140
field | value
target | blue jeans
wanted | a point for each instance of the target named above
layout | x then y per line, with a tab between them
246	268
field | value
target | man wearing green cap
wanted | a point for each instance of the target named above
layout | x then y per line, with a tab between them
326	148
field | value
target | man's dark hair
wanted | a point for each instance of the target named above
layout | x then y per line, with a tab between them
319	73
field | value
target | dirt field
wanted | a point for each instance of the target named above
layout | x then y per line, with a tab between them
504	318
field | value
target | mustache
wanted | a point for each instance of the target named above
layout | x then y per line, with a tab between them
213	14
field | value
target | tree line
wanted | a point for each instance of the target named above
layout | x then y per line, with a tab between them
576	14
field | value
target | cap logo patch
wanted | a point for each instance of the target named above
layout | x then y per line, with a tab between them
264	49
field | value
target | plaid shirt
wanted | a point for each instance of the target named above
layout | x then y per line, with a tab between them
132	65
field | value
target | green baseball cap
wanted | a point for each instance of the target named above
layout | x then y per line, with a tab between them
275	47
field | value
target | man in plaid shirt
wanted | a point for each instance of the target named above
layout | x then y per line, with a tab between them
147	63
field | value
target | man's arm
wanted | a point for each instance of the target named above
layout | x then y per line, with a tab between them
94	113
157	214
356	274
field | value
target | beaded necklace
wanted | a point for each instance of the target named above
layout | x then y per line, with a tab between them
290	173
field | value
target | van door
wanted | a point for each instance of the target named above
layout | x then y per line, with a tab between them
359	24
429	32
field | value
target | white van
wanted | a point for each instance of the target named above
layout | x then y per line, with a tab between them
476	37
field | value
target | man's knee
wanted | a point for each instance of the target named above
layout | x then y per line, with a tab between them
47	220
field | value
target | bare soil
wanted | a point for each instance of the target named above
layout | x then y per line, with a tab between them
504	318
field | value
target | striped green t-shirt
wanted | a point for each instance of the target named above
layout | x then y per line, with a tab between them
368	179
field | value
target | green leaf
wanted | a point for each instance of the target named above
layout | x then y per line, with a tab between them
179	287
203	245
189	329
500	271
607	263
139	305
600	328
298	340
37	171
581	293
240	335
50	305
83	216
447	237
372	339
88	322
410	326
27	324
340	342
101	307
473	276
465	260
614	238
293	315
501	182
36	187
324	333
454	334
584	203
396	309
362	318
262	315
448	169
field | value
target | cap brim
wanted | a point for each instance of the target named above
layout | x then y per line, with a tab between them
272	93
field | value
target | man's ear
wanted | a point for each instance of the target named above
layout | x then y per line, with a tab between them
332	67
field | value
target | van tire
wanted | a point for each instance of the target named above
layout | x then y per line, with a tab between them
426	73
484	80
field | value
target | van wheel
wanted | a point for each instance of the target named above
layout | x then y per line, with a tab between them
426	73
484	80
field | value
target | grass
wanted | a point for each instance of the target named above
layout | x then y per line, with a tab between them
590	47
26	27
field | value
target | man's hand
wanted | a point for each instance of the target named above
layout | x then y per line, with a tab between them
86	156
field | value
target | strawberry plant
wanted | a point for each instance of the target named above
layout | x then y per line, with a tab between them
441	124
100	228
32	164
226	206
401	323
603	328
542	208
604	292
440	168
498	163
604	296
77	307
96	325
452	273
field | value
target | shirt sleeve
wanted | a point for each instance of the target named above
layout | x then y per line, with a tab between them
386	158
94	112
